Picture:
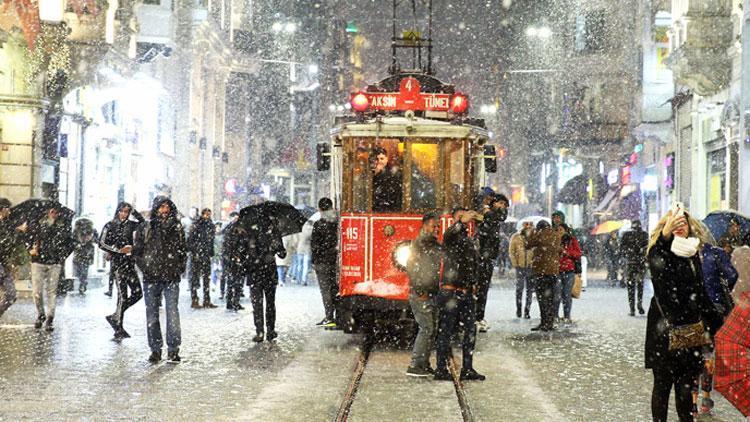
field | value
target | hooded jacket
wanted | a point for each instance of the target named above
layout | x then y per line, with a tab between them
324	240
488	234
201	239
235	249
633	247
423	266
264	243
117	234
160	248
719	276
547	245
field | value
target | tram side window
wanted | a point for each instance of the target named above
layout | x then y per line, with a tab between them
424	174
387	177
456	173
359	176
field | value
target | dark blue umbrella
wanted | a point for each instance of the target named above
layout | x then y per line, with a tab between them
718	223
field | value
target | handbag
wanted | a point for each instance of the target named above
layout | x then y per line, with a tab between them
685	336
575	292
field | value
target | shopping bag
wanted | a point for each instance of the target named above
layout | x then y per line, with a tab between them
577	287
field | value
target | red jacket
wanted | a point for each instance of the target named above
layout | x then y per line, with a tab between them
570	253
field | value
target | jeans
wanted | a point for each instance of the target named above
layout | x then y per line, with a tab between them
7	290
483	287
545	292
153	290
563	289
259	291
45	277
329	287
425	313
81	271
201	269
300	268
456	308
281	270
235	281
634	277
524	281
129	290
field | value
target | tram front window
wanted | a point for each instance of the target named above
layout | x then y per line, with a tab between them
387	177
424	174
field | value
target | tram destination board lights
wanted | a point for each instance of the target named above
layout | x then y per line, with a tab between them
360	103
459	103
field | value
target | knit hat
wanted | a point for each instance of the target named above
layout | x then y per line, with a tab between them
560	214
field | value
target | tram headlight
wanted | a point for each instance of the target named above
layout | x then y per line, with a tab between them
401	255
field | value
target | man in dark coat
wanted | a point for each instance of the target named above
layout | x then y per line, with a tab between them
633	251
234	256
324	243
10	240
679	299
83	252
52	243
456	297
423	268
488	234
117	240
161	252
201	247
264	243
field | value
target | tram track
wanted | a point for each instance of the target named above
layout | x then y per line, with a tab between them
360	366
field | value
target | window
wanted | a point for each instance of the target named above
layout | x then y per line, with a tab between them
425	174
386	160
590	31
360	168
717	180
455	192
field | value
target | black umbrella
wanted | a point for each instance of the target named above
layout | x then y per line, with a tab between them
32	211
287	219
306	211
574	191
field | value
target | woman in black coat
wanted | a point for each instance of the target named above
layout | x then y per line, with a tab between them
679	299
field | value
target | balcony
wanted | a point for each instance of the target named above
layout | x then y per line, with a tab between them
701	61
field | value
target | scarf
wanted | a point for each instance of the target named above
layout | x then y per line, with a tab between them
685	248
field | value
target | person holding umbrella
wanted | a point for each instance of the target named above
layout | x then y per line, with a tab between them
52	242
680	305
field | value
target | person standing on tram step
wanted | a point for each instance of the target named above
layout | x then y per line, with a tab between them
423	269
10	240
161	253
545	266
455	299
386	184
633	251
324	242
52	243
117	239
264	244
201	247
520	259
488	234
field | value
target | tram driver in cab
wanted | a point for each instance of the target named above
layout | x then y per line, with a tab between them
386	183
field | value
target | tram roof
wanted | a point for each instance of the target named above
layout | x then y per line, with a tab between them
402	127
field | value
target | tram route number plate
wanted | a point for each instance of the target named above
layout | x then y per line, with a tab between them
353	250
409	97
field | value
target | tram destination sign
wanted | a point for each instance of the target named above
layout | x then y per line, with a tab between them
409	97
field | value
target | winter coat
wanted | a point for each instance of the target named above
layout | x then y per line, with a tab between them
387	194
678	287
611	249
54	242
547	245
633	247
488	234
201	239
741	262
571	252
235	251
303	240
520	255
423	266
9	240
324	241
84	247
160	247
117	234
719	276
461	257
264	243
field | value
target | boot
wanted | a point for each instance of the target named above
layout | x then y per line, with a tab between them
258	338
641	311
207	304
39	321
195	304
48	324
